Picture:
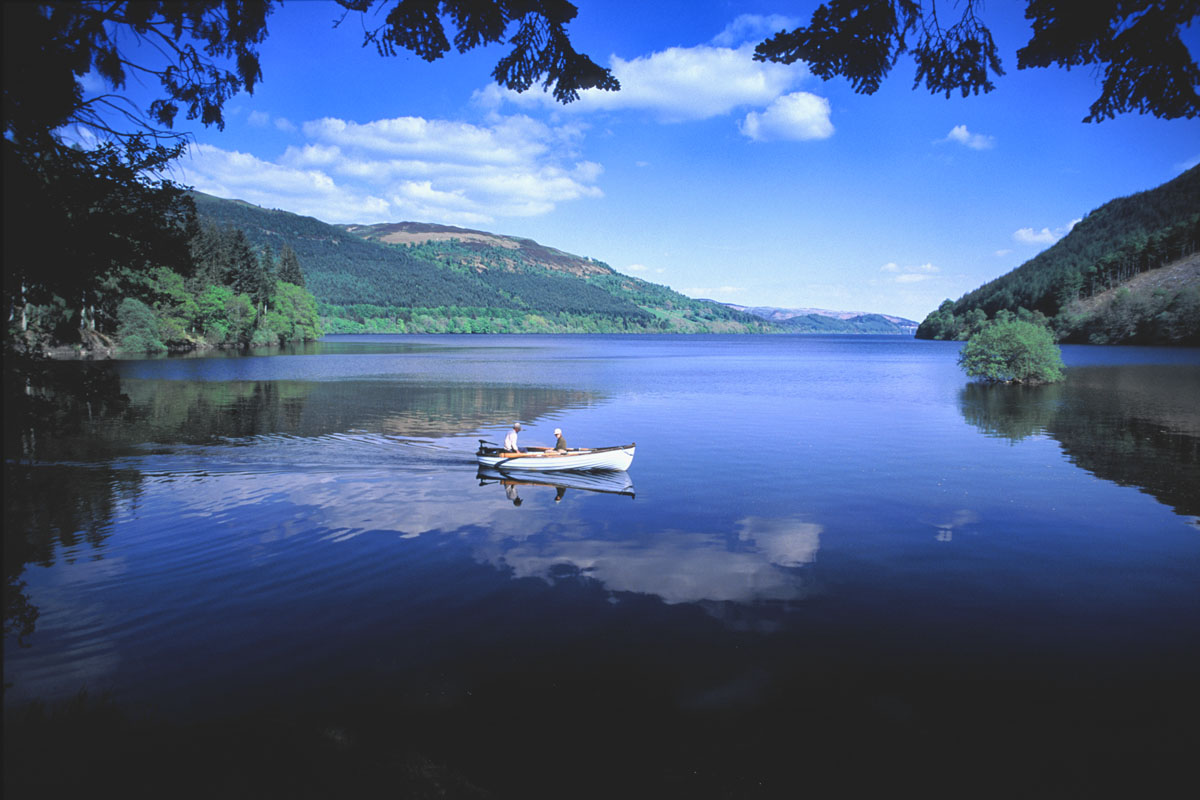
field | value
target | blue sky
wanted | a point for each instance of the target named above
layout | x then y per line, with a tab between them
721	177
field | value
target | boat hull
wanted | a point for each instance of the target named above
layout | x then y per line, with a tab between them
614	458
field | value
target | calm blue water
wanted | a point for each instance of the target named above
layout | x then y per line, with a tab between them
831	553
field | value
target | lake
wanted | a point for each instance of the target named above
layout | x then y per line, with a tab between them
836	565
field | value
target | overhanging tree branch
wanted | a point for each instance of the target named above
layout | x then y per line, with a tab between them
541	50
1135	44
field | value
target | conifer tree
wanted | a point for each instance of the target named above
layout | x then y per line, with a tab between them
289	267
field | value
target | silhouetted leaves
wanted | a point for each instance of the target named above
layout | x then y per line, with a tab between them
1147	67
541	50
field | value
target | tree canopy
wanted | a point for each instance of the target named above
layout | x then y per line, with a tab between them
1134	43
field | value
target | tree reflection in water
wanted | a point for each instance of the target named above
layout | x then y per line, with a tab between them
1133	425
51	513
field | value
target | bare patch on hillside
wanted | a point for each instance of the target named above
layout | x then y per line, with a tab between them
406	237
415	233
1171	278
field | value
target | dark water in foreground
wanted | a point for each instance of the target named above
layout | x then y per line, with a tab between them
835	565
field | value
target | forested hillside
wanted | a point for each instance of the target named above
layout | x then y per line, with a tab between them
1110	247
417	278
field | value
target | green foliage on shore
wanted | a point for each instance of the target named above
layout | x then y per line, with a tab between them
137	328
1011	350
1112	245
232	297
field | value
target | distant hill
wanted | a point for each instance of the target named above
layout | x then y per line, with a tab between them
819	320
423	278
1084	286
418	277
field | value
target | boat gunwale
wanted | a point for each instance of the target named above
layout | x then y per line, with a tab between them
498	452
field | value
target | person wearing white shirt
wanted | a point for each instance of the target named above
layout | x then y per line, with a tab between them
510	441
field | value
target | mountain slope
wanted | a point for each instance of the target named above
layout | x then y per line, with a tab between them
415	277
1110	246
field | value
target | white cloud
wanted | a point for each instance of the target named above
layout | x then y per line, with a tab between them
753	28
587	171
711	292
1030	236
1003	252
1045	235
976	141
92	83
303	191
676	85
798	116
910	274
642	268
261	119
1184	166
408	168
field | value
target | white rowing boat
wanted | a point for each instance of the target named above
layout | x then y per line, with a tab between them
618	458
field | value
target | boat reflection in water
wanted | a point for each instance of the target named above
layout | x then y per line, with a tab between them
602	481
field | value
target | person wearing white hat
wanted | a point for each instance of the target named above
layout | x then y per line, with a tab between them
560	444
510	441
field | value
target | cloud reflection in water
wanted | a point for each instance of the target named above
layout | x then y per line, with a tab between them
758	562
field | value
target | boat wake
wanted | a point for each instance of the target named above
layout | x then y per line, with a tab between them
332	452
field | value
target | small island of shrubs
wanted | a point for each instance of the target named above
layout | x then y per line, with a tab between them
1011	350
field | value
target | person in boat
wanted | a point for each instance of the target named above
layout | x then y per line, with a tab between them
510	441
560	444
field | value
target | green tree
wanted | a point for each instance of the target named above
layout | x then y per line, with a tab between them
1012	351
214	321
293	314
289	267
243	269
137	329
241	316
78	223
1134	43
174	307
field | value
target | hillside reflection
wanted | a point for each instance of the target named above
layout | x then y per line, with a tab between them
189	411
1133	425
200	412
